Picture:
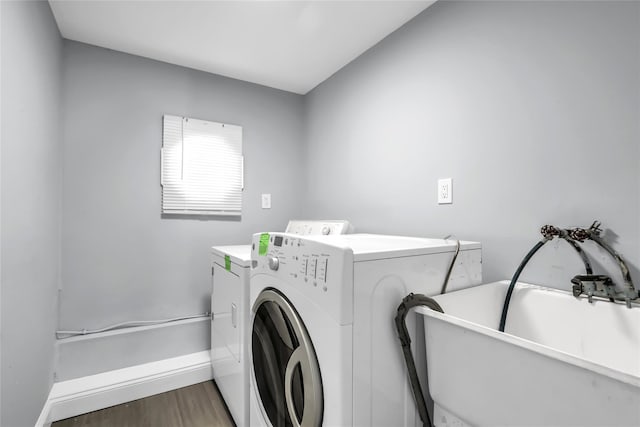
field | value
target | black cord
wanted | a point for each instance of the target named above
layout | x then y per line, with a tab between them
451	265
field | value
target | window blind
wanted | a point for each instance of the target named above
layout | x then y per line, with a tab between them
202	167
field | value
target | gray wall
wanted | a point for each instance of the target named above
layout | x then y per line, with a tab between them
515	101
531	107
30	201
121	260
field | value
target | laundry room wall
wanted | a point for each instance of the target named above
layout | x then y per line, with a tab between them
532	108
122	260
31	57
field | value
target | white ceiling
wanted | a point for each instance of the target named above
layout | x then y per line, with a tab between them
288	45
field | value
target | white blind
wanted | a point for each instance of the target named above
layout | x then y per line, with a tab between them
202	167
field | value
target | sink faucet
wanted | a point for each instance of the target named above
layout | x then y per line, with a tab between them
599	285
548	233
590	284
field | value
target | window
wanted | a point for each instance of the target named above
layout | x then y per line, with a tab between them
202	167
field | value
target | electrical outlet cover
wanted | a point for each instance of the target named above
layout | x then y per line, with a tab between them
266	201
445	191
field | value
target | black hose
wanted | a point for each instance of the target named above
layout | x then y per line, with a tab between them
514	279
409	302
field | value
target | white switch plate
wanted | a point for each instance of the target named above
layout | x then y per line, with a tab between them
445	191
266	201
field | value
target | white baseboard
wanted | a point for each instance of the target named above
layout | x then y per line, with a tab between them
81	395
86	355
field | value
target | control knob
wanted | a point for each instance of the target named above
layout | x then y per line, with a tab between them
326	230
274	263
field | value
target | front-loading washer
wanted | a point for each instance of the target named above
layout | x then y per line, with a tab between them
323	347
230	332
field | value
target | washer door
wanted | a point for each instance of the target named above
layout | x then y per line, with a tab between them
285	365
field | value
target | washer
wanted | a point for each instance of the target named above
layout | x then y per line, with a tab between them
324	350
230	314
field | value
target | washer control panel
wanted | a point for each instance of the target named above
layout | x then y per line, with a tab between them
322	272
274	263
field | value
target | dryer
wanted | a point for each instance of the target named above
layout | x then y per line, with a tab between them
323	348
229	317
230	314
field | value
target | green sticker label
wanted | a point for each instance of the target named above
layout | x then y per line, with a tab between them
227	262
264	244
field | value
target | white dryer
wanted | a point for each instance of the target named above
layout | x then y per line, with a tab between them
230	331
229	318
323	349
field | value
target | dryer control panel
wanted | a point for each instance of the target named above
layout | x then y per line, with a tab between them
321	228
322	272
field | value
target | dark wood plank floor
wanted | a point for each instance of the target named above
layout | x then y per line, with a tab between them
199	405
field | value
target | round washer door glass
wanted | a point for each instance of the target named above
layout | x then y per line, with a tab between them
285	365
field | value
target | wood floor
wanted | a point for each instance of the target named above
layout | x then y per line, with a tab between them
198	405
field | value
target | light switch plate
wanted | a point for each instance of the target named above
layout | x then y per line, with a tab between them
266	201
445	191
